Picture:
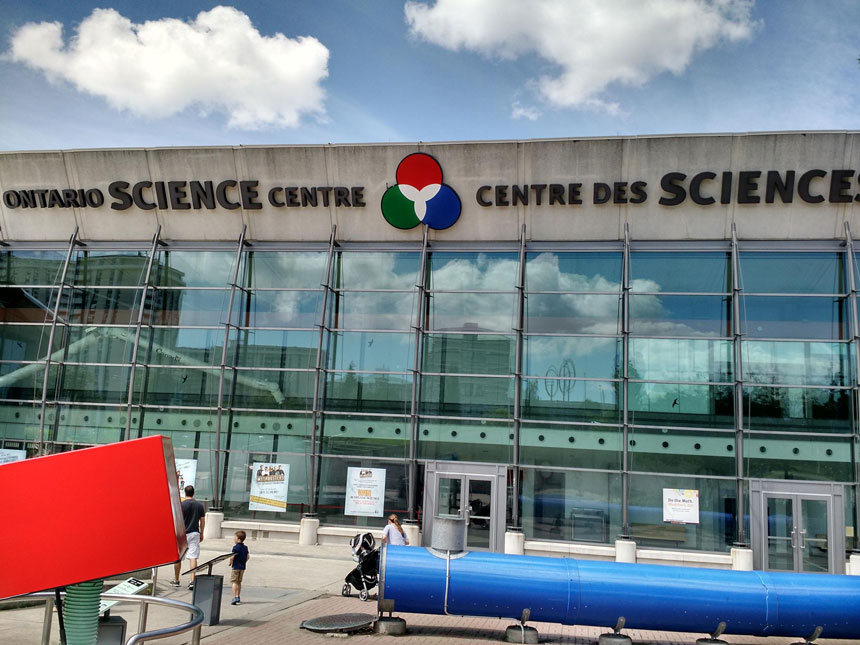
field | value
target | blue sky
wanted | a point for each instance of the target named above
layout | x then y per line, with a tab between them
276	72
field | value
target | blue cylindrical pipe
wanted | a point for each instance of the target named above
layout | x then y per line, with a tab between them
585	592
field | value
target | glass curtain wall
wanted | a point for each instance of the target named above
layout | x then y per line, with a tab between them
284	359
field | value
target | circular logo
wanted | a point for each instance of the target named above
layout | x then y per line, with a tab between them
419	196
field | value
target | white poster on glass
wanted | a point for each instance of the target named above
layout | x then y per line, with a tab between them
7	455
681	505
186	473
269	483
365	492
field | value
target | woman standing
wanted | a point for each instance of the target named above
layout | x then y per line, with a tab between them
393	533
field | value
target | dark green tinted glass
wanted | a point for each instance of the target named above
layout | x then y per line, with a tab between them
93	383
362	392
82	425
575	446
787	317
82	344
792	272
270	389
107	268
467	396
469	354
100	306
559	399
31	267
24	342
333	479
676	451
665	404
27	305
366	435
453	440
798	409
21	381
810	458
795	363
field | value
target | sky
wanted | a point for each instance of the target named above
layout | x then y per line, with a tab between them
122	74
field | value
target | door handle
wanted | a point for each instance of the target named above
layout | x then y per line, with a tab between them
468	516
794	538
803	539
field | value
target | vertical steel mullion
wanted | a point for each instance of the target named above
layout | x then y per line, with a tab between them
216	471
625	385
72	242
518	380
737	354
417	356
315	413
855	329
134	352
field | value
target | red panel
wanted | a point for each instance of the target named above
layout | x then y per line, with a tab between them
88	514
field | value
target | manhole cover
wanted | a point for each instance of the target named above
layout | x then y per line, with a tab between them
339	623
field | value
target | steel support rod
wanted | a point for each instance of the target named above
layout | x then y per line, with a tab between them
315	414
737	349
518	379
54	314
855	341
216	471
141	310
417	355
625	386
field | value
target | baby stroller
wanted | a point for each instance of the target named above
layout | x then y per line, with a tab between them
365	575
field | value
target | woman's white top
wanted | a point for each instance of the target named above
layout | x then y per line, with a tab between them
393	536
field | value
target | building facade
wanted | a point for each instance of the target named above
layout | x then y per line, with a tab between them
651	337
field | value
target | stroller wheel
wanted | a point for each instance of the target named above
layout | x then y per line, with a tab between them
363	594
345	591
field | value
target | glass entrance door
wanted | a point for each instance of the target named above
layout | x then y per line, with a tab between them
469	497
798	533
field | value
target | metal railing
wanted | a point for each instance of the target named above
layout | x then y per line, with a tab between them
193	624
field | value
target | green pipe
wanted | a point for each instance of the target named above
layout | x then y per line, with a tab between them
81	612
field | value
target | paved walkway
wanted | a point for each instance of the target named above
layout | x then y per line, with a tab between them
287	583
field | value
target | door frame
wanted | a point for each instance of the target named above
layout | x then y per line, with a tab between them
834	494
495	473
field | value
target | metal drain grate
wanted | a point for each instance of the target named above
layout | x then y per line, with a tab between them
339	623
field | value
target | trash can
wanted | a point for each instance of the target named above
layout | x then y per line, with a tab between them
207	596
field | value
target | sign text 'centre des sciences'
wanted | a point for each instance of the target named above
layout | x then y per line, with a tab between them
812	186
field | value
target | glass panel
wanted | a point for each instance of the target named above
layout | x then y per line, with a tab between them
798	409
659	359
357	270
93	344
467	396
469	353
814	536
193	268
572	446
31	267
20	421
285	269
454	440
181	346
270	348
688	453
369	310
680	315
480	501
472	312
371	351
474	271
108	268
572	314
571	400
798	457
277	308
240	469
448	496
780	529
268	389
362	392
795	363
573	506
100	306
21	382
706	406
184	307
333	485
264	431
715	530
90	426
559	356
787	317
30	305
352	434
792	272
166	386
553	271
187	429
685	272
93	383
23	342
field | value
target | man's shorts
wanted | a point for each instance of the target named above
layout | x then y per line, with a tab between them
193	546
236	575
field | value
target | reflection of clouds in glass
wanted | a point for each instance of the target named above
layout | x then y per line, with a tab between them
378	270
288	270
796	363
586	357
473	311
197	268
545	274
477	272
375	310
680	360
290	309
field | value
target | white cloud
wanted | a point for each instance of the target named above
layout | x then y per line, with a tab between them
594	43
217	62
520	111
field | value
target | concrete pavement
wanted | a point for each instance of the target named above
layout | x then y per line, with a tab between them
287	583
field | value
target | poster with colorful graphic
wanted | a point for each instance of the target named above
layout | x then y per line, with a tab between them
7	456
186	473
269	484
365	492
681	505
